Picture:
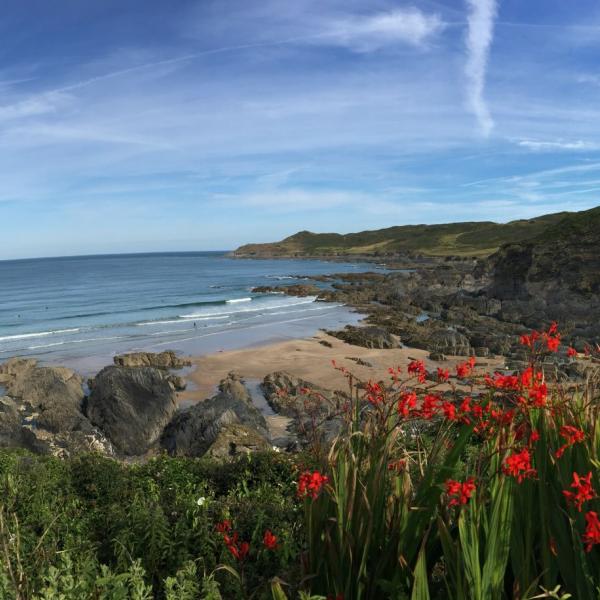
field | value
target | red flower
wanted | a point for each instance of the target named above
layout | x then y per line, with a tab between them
408	400
239	550
534	437
417	367
518	465
223	526
538	394
553	343
465	369
572	436
269	540
571	352
460	493
592	530
443	374
375	393
449	411
529	340
430	405
310	484
583	490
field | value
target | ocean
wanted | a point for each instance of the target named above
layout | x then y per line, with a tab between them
81	311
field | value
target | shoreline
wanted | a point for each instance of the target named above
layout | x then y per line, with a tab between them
308	359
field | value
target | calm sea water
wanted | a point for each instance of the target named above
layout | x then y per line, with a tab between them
81	311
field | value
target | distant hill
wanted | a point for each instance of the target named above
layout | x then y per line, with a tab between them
452	239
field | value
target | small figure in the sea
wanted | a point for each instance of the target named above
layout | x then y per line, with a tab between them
194	324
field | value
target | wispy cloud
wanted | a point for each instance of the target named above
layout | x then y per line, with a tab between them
558	145
480	33
409	26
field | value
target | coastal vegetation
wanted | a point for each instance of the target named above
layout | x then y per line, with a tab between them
470	239
457	484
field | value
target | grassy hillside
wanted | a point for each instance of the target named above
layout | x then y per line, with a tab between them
462	239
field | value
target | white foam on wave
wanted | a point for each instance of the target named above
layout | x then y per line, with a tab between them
236	300
260	306
181	319
23	336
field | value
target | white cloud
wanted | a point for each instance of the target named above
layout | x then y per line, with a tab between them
482	14
41	104
365	34
539	146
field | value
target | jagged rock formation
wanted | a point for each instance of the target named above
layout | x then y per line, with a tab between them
163	360
227	423
131	405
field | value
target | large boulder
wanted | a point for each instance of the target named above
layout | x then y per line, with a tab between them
449	342
368	337
54	393
131	405
218	420
44	411
162	360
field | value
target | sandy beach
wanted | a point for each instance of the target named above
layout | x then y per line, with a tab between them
309	359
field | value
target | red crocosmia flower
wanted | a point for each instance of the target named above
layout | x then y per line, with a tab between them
375	393
553	329
571	352
239	550
592	530
538	394
443	374
572	436
534	437
459	493
310	484
269	540
584	490
408	400
223	526
465	369
430	405
518	465
417	367
553	343
449	411
529	340
465	405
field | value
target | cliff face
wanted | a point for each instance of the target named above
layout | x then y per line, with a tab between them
557	275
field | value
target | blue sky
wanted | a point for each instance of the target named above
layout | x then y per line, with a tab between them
129	125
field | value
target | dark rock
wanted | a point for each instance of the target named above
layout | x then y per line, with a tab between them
449	342
193	432
315	411
132	406
12	432
368	337
437	356
162	360
235	439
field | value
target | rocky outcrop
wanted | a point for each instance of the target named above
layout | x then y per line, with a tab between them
228	420
44	411
449	342
367	337
235	439
131	406
315	412
163	360
555	277
12	432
